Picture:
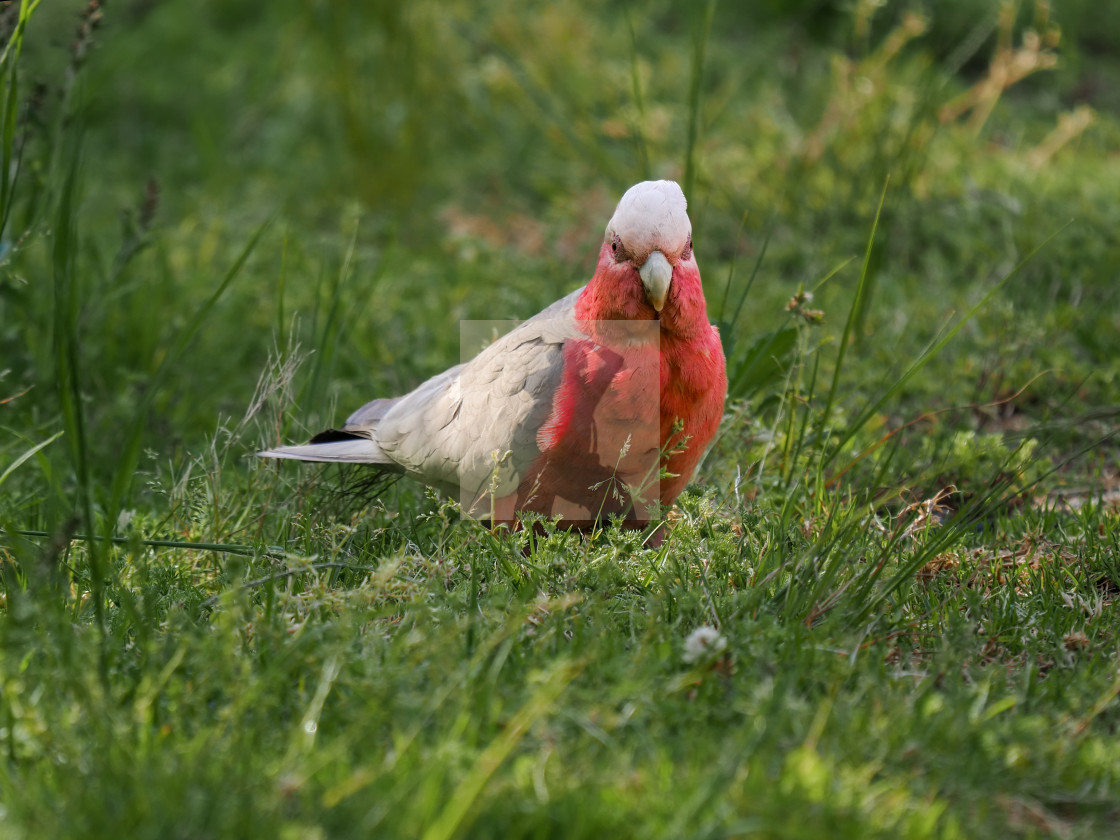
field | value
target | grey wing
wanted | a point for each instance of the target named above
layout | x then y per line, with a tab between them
479	421
370	414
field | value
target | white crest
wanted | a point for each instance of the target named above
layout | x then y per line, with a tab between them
651	216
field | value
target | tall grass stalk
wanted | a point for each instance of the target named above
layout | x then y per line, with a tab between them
854	310
9	93
67	304
701	34
639	101
328	335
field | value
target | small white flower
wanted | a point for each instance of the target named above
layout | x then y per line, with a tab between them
703	643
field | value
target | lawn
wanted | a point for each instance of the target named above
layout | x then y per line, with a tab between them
224	225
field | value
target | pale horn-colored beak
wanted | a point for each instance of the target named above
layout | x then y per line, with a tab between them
656	275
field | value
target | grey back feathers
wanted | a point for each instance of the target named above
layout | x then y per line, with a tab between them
469	425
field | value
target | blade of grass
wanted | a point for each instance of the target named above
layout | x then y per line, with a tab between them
794	455
853	311
28	454
327	341
699	50
26	9
9	77
68	372
639	103
731	272
770	225
9	173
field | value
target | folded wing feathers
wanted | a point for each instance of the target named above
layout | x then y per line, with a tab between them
369	414
446	430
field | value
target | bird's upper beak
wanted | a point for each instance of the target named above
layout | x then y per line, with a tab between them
656	275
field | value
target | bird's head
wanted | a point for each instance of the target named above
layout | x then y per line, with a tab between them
646	268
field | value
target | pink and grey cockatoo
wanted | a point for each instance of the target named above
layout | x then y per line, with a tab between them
599	406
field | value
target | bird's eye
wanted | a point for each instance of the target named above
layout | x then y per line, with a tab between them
687	252
617	249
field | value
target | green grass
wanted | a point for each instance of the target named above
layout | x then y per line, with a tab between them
226	224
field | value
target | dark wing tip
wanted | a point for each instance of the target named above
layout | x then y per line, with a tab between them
335	435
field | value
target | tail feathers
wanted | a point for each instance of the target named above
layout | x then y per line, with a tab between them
334	447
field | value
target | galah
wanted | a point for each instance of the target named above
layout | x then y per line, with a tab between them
599	406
